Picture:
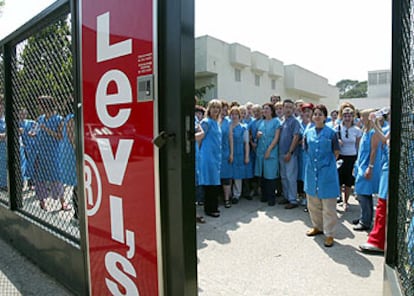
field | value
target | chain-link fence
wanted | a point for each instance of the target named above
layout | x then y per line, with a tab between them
43	160
405	224
4	196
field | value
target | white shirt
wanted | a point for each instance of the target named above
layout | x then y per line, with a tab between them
349	137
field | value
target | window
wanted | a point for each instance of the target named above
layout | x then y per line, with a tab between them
372	78
382	78
257	80
237	75
273	83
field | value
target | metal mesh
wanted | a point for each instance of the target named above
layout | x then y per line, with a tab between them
405	264
4	196
42	87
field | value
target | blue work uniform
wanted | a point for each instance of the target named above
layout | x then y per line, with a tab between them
3	155
48	152
321	175
267	168
68	157
210	153
240	135
226	171
365	186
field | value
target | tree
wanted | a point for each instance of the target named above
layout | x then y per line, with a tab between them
2	2
352	88
44	64
201	92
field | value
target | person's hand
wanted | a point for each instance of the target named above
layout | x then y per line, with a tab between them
368	173
231	158
372	116
259	134
287	157
341	143
246	160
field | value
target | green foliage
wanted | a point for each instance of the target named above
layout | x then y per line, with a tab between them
2	2
352	88
44	66
201	92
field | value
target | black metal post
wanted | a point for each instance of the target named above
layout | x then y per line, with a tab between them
396	111
12	134
176	116
77	96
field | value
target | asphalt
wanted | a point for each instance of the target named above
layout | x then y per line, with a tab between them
252	249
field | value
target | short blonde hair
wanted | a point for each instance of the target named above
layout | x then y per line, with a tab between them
211	104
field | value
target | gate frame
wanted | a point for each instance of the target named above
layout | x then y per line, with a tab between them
55	255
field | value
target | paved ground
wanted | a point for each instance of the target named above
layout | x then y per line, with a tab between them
253	249
20	277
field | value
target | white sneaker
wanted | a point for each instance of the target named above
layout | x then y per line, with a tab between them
367	247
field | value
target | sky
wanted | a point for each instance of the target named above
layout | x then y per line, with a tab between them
337	39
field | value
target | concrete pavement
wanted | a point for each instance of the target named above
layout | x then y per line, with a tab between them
254	249
18	276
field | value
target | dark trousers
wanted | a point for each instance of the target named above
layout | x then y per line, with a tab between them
279	187
211	194
268	189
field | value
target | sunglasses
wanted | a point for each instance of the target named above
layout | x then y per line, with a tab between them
346	133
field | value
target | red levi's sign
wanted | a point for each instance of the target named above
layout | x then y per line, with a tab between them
117	52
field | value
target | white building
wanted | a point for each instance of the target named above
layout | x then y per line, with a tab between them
237	73
379	91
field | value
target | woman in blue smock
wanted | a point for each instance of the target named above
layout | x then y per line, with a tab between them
321	176
376	238
226	171
210	157
267	153
3	149
367	171
28	155
306	122
239	152
68	172
47	165
253	128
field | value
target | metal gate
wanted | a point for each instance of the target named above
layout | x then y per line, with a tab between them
38	147
42	194
399	269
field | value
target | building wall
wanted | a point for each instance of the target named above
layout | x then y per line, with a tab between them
379	84
244	75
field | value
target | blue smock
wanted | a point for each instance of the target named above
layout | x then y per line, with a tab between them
3	155
29	151
68	158
210	153
239	137
321	175
302	156
48	150
226	170
267	168
383	185
364	186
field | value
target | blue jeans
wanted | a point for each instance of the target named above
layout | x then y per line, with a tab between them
289	175
367	209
